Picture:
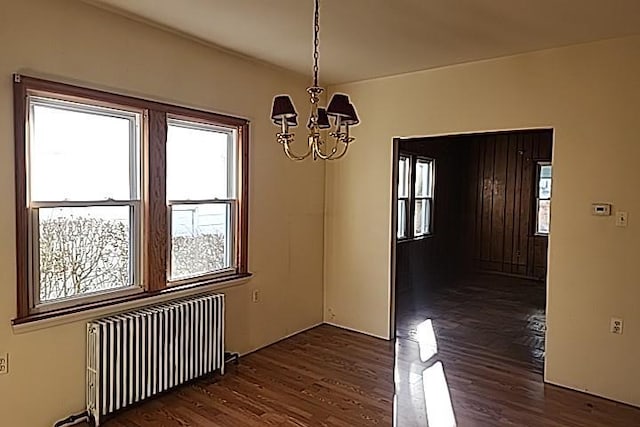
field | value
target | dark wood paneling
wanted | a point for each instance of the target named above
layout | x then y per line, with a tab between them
502	193
486	199
475	202
510	203
484	215
498	225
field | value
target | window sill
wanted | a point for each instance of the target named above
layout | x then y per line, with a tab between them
413	239
104	308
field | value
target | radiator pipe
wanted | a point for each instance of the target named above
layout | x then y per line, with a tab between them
73	420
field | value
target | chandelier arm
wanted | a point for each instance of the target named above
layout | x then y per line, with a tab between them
323	156
341	155
293	156
318	152
332	155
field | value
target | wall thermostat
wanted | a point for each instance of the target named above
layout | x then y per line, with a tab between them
601	209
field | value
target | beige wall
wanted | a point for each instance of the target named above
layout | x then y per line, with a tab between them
590	95
77	42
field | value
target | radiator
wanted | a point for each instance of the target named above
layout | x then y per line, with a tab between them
136	355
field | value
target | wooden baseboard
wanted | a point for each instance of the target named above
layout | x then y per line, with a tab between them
505	274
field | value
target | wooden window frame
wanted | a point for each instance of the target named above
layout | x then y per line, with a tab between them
155	239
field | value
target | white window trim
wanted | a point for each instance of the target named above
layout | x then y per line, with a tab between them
407	198
539	166
134	116
431	197
232	202
232	242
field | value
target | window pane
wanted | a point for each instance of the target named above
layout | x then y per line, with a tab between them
403	177
80	152
402	219
544	207
201	241
84	250
199	158
424	177
422	217
545	171
544	188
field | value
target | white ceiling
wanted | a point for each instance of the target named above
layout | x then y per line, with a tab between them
362	39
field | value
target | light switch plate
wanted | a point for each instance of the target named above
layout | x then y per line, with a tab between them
621	219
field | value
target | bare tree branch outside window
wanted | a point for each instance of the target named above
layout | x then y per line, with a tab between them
80	255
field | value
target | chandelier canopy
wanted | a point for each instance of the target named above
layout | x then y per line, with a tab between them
340	111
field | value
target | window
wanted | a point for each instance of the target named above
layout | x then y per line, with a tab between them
121	198
543	198
404	179
201	197
416	176
83	189
423	197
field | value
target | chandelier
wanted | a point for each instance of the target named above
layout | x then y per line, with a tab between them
340	110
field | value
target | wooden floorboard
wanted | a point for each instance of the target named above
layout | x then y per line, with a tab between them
489	334
484	368
323	377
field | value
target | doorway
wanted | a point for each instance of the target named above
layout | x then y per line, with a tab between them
472	228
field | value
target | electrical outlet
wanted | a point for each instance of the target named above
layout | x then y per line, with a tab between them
4	363
255	296
616	326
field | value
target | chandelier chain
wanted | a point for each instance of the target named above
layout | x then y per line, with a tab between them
324	140
316	42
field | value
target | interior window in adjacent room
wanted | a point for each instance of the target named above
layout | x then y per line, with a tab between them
404	183
423	197
543	198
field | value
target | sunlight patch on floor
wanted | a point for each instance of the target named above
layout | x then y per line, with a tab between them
426	338
437	398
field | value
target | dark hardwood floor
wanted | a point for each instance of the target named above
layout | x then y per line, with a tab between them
466	355
471	353
502	315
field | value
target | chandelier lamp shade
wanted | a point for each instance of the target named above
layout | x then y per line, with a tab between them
328	128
